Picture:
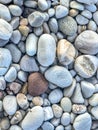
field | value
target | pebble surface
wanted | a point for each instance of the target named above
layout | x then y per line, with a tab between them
48	65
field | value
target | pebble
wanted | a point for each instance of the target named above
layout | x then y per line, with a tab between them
55	96
34	119
51	12
30	3
59	76
15	127
83	122
66	52
22	76
18	2
38	31
65	3
31	44
55	121
86	65
87	89
66	104
60	127
15	52
57	110
16	36
24	30
73	12
95	17
94	112
28	64
15	87
15	10
77	95
53	25
21	46
48	113
76	5
1	106
22	101
43	55
2	83
10	104
37	101
5	2
14	22
61	11
92	8
78	109
43	5
88	2
92	25
5	123
81	20
47	126
67	25
87	14
5	13
37	84
65	119
93	100
36	19
5	60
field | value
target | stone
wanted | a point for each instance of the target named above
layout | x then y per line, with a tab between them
65	119
34	119
5	60
95	17
87	14
5	30
15	127
76	5
57	110
15	87
1	106
22	76
10	104
81	20
5	13
92	8
15	10
37	84
31	44
93	100
28	64
65	3
48	113
15	52
86	42
16	36
59	76
45	58
51	12
5	2
83	122
47	126
24	30
18	2
5	123
36	19
86	65
66	104
89	2
60	127
55	96
66	52
53	25
67	25
61	11
15	22
78	109
94	112
87	89
38	31
92	25
22	101
30	3
37	101
43	5
2	83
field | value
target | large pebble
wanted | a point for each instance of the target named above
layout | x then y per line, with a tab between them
34	119
5	60
87	43
87	89
37	84
2	83
83	122
59	76
65	52
48	113
28	64
86	65
31	44
67	25
5	13
46	44
36	19
55	96
15	10
93	101
89	2
10	104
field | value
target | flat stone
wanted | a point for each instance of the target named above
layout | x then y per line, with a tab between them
59	76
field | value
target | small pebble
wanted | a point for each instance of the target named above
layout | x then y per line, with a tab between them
43	5
2	83
79	109
81	20
15	127
5	123
65	119
15	87
76	5
37	101
16	37
94	112
93	100
57	110
47	126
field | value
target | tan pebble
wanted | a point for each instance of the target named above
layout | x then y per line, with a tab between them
37	101
24	30
24	22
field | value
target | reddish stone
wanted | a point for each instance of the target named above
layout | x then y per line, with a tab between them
37	84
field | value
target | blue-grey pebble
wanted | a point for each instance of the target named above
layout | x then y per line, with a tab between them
81	20
22	76
15	22
92	8
92	25
15	10
16	36
65	119
76	5
15	127
60	127
53	25
43	5
86	13
2	83
47	126
95	17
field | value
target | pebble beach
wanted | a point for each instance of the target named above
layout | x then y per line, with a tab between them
48	64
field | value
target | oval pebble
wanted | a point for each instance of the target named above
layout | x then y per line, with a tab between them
79	109
89	2
15	10
43	5
93	100
65	119
15	127
57	110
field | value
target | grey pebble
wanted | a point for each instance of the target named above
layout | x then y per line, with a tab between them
48	113
5	123
65	119
47	126
22	76
31	4
17	67
38	31
2	83
1	106
53	25
95	17
5	2
15	127
15	22
15	52
76	5
15	87
94	112
55	121
92	25
93	100
21	46
57	110
51	12
60	127
55	96
46	29
28	64
15	10
92	8
81	20
65	3
43	5
16	36
18	2
89	2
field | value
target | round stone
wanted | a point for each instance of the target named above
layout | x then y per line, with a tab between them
37	84
59	76
5	2
93	100
15	10
57	110
15	127
43	5
46	44
67	25
87	42
10	104
34	119
81	20
5	123
89	2
15	87
2	83
5	60
86	65
53	25
65	119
